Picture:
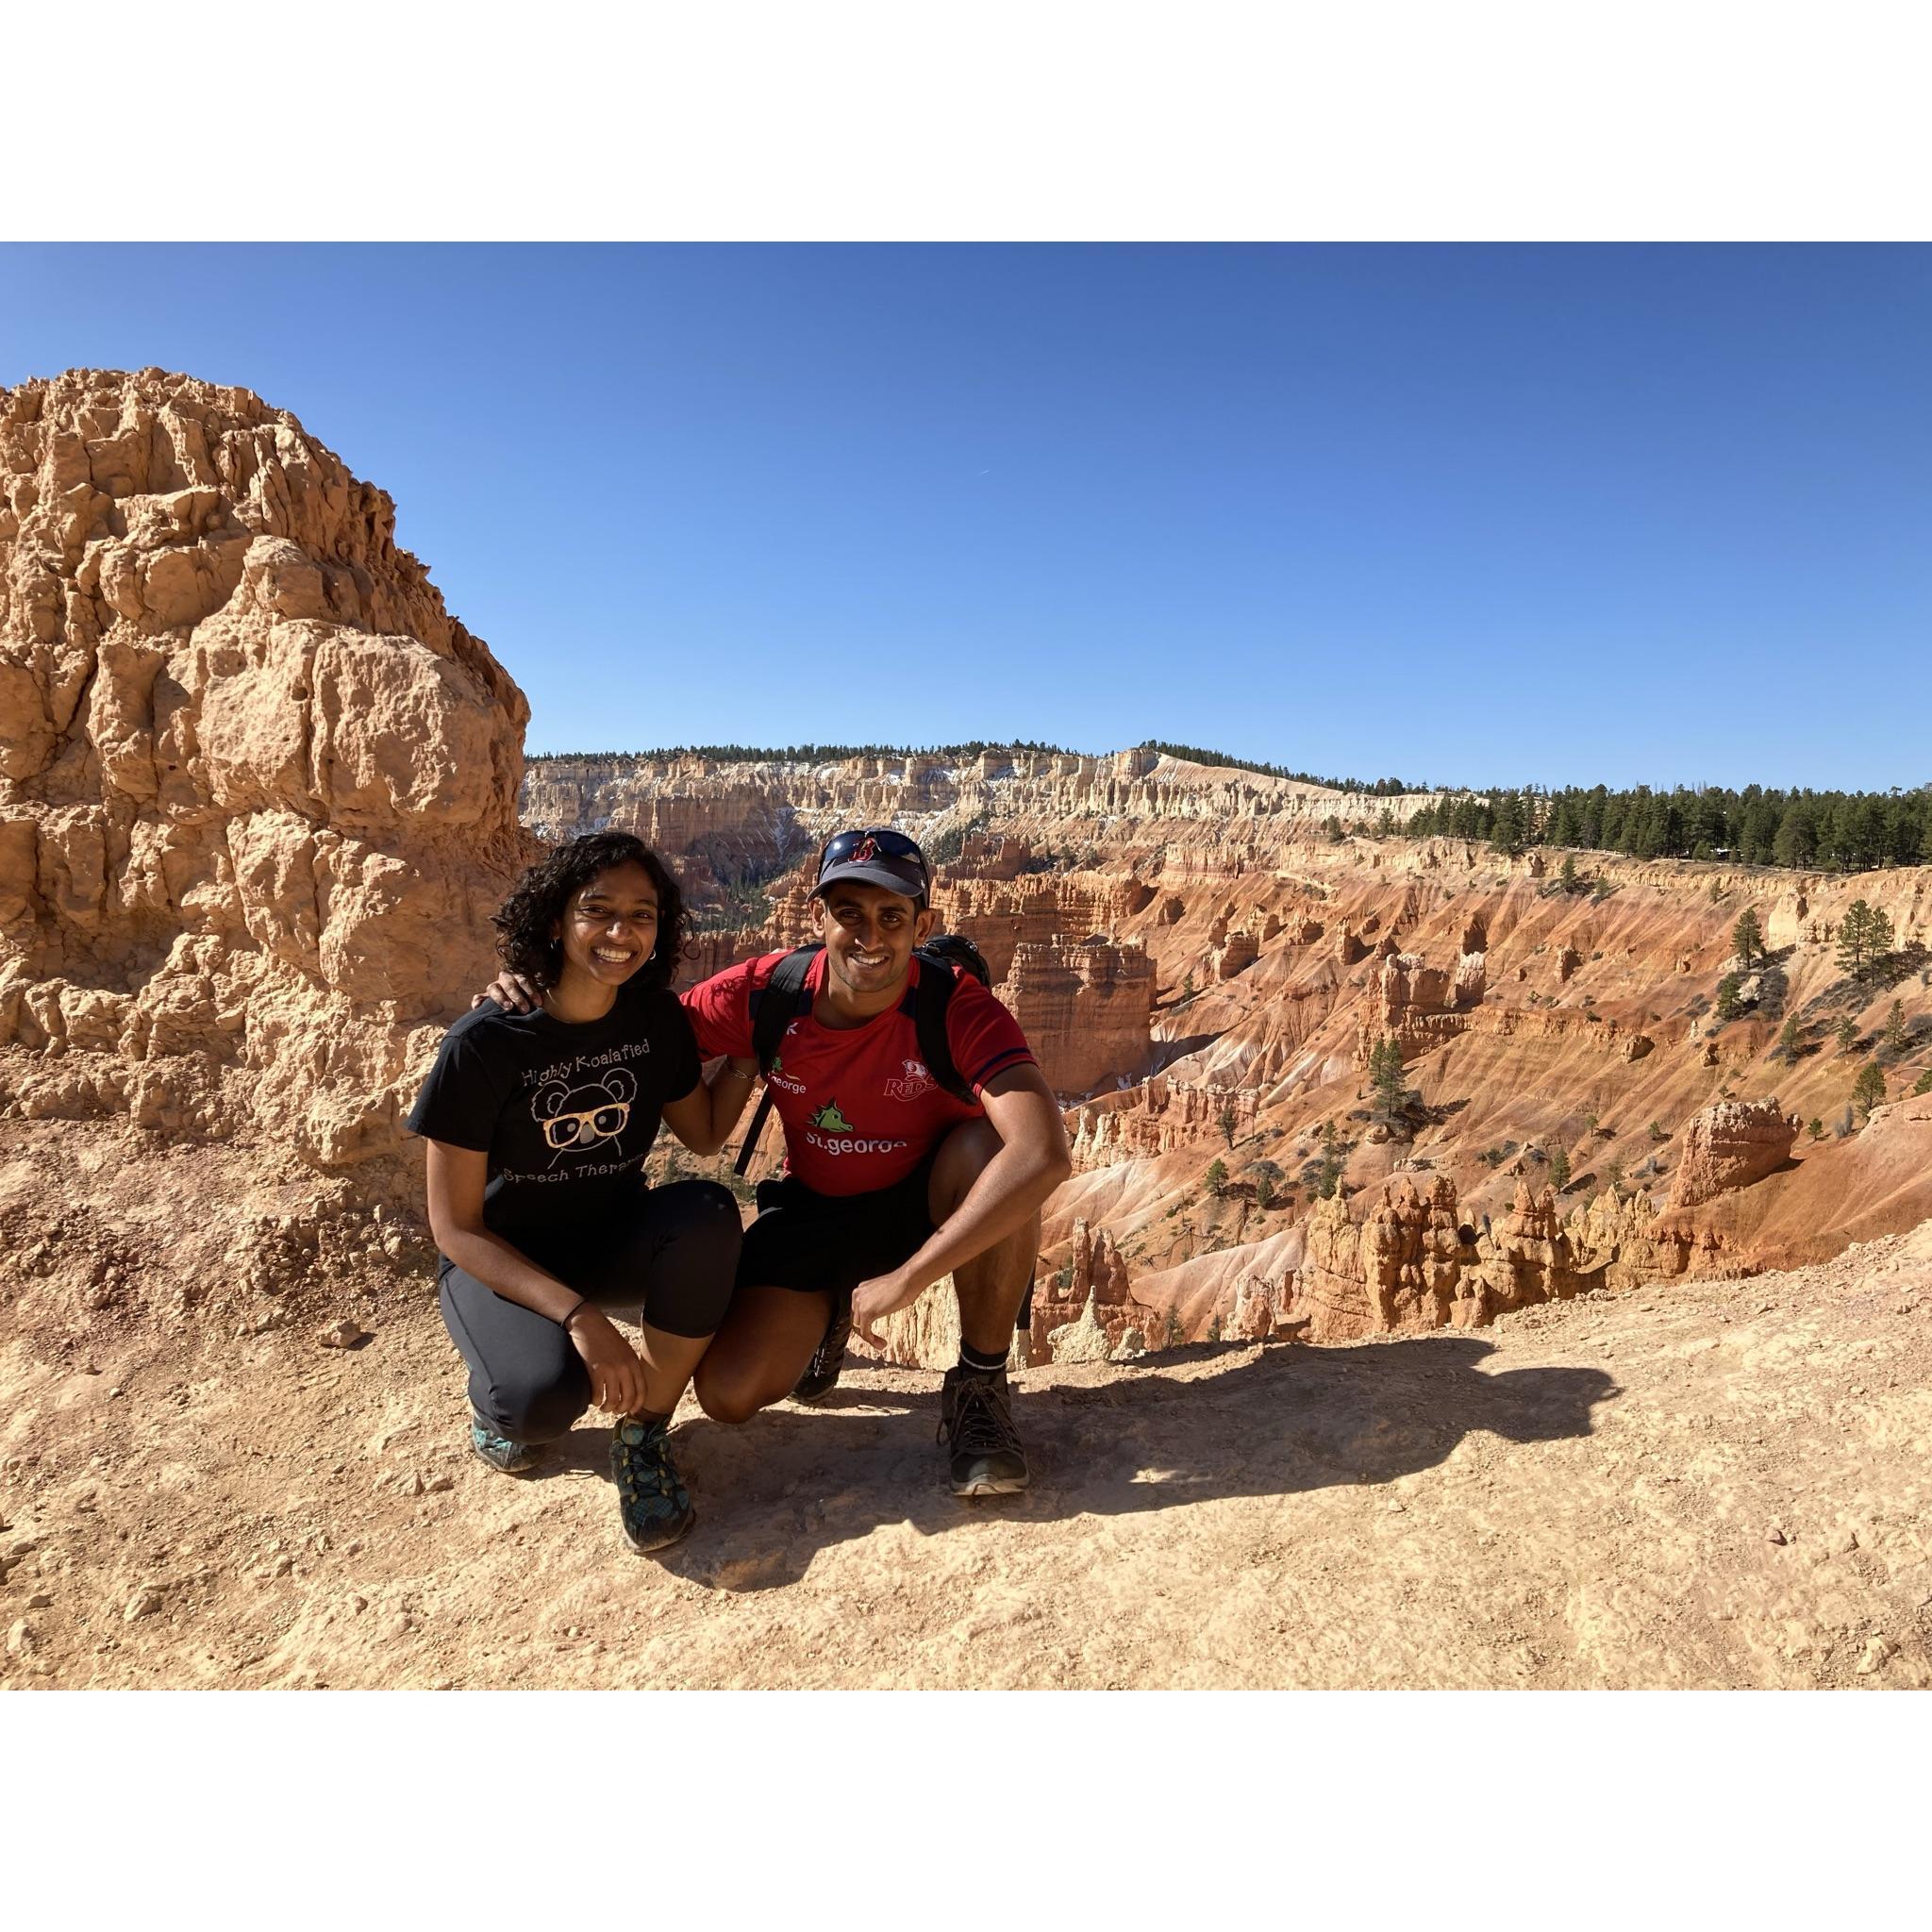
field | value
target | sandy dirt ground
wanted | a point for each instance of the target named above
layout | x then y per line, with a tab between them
1710	1484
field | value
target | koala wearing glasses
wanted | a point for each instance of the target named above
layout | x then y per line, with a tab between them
577	1118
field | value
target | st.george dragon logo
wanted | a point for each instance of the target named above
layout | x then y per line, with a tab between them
912	1083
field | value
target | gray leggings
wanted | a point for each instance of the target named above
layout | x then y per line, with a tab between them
673	1254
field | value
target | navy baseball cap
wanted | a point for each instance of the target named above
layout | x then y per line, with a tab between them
878	856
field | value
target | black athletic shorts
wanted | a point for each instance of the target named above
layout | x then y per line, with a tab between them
829	1243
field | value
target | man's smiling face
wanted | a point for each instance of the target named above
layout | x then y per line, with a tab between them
869	934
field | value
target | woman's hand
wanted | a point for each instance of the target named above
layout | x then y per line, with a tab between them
617	1377
512	992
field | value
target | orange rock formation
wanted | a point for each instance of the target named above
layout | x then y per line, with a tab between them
257	784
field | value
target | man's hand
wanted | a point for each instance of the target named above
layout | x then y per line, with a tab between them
884	1294
617	1377
512	992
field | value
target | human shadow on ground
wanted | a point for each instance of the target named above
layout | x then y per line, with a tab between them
1275	1421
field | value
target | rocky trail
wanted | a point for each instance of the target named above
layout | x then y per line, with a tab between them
1713	1484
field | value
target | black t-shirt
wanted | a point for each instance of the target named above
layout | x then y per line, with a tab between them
566	1114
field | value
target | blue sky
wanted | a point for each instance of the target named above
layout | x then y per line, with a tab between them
1476	514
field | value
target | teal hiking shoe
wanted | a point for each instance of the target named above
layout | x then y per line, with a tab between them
500	1452
651	1496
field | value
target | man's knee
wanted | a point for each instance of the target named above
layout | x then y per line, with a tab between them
724	1396
964	1154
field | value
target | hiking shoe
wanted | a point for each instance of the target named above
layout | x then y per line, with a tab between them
977	1421
651	1496
500	1452
822	1373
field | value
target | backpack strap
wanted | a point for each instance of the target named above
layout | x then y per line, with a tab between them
774	1007
778	1001
931	999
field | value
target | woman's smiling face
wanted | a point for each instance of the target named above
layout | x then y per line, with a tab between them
610	927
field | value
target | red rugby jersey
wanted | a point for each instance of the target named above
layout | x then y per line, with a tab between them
860	1110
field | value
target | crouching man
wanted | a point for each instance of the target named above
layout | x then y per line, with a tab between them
891	1180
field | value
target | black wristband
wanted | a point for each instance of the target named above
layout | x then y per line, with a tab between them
583	1301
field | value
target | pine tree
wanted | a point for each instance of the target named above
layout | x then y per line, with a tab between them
1506	827
1567	877
1878	934
1264	1189
1560	1170
1868	1090
1846	1034
1747	938
1217	1178
1924	1084
1787	1047
1855	937
1896	1038
1328	1177
1227	1119
1728	1004
1386	1078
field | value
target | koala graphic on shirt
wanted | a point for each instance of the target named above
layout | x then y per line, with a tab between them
576	1119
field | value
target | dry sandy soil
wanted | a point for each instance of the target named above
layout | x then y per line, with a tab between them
1713	1484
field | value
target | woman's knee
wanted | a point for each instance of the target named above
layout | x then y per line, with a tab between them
534	1409
691	1280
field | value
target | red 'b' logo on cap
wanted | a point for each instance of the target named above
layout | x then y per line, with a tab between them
868	848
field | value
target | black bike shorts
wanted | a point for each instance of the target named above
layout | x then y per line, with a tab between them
829	1243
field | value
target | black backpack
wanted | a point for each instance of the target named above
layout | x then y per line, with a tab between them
783	998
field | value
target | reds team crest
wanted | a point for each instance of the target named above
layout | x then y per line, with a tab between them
912	1081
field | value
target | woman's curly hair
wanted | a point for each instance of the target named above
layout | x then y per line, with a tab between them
525	925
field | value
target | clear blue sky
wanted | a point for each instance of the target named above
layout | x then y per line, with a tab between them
1550	514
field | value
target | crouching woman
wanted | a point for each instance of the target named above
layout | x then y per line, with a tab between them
537	1125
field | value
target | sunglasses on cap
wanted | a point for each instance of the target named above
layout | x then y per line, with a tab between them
876	843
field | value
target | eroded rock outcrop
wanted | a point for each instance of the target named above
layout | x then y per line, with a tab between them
1729	1145
256	785
1090	1292
1086	1010
1396	1268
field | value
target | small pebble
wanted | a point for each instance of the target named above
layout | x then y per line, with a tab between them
343	1334
20	1638
41	1600
1774	1534
439	1483
144	1602
114	1393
